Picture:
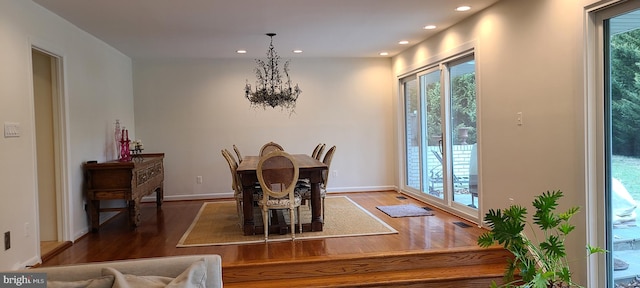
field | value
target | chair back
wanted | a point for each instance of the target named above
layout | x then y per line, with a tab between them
270	147
327	161
278	174
233	166
315	151
320	150
235	148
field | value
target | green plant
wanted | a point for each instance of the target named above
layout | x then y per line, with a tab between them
540	264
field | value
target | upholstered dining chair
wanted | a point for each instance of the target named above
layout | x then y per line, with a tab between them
235	182
304	189
235	149
270	147
278	174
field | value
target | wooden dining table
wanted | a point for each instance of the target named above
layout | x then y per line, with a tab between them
309	167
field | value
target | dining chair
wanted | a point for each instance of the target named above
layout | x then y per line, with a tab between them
315	150
278	174
270	147
235	148
320	150
236	185
304	189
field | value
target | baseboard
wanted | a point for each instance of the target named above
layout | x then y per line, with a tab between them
229	195
362	189
35	260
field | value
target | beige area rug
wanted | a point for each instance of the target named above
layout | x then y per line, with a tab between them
217	224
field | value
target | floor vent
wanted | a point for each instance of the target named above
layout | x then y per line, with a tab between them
401	197
462	224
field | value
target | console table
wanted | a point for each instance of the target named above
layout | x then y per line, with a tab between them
129	181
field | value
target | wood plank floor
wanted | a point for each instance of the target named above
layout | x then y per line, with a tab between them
160	230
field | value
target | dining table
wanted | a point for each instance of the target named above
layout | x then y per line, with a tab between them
309	168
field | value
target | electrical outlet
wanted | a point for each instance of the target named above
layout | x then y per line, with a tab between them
7	240
26	229
334	173
199	179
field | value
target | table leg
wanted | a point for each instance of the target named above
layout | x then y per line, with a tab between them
160	195
316	208
94	214
134	212
247	210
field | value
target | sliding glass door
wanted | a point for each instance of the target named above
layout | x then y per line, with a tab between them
440	133
620	28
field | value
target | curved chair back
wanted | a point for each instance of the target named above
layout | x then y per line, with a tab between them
233	166
315	151
327	160
277	169
270	147
235	148
320	150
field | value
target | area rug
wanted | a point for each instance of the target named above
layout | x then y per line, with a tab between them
217	224
409	210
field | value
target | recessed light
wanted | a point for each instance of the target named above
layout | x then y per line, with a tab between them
241	51
297	51
383	53
463	8
403	42
430	27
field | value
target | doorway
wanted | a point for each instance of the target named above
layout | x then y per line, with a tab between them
46	103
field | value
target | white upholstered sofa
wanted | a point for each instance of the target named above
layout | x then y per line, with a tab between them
170	271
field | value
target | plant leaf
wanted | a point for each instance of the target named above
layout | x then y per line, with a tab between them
486	240
553	247
545	204
566	216
565	274
565	228
593	250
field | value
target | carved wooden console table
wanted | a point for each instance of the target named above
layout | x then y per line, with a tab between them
129	181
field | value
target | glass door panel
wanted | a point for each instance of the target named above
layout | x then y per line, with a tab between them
411	108
463	132
622	76
431	96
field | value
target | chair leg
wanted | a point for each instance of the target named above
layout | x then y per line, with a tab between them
265	223
292	219
240	212
299	220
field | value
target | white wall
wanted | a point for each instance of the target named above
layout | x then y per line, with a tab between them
98	90
191	109
529	59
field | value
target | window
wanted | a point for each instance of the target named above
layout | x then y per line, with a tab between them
441	134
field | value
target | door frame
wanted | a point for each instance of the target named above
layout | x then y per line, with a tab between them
61	142
596	175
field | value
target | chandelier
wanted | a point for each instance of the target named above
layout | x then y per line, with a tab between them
271	89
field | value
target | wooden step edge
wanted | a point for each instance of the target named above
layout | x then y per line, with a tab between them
491	272
361	265
375	255
57	250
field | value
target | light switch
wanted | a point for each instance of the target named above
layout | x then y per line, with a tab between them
11	129
519	121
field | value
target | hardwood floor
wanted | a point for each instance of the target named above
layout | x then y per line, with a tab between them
160	230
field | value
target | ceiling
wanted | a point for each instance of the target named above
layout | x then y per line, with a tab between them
217	28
